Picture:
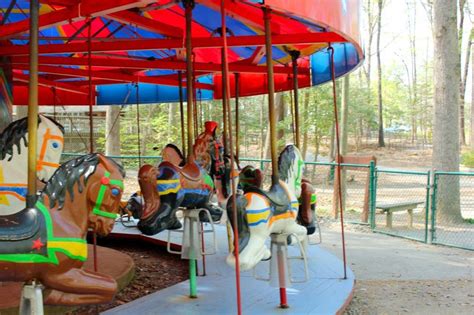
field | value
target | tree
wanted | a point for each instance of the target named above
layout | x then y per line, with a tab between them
446	146
112	130
381	4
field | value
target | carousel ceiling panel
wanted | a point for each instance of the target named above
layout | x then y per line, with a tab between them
143	41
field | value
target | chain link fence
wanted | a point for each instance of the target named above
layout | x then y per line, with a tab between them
433	208
401	206
452	212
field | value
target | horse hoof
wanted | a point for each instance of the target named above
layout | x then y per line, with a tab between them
310	230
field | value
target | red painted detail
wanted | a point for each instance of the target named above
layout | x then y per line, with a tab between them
104	180
48	83
37	244
76	13
46	96
157	44
117	76
148	24
155	64
283	298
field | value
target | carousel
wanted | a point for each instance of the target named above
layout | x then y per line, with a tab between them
249	242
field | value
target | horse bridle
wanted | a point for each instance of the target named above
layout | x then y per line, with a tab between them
105	183
41	162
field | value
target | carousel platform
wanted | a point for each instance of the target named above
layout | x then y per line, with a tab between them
325	292
113	263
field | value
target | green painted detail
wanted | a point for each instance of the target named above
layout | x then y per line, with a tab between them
299	175
192	278
51	257
208	181
100	198
313	198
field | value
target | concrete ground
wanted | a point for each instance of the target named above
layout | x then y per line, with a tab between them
396	276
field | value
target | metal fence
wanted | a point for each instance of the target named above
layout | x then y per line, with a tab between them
401	206
409	204
452	210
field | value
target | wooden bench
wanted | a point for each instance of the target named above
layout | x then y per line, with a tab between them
390	208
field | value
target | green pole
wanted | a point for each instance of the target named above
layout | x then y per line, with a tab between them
433	207
192	279
372	194
427	206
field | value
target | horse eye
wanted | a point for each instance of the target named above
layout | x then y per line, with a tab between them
55	145
115	191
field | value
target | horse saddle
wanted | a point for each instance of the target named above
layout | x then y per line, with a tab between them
23	232
277	196
190	170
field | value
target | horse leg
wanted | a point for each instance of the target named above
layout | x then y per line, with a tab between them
253	252
300	231
79	286
216	213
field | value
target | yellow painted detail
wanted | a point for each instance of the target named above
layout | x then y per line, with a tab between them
286	215
167	181
255	217
77	249
3	198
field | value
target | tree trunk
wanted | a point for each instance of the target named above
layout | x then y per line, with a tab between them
446	108
462	86
472	103
112	130
379	73
462	89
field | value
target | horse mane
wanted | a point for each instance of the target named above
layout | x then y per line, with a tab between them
70	174
14	133
285	162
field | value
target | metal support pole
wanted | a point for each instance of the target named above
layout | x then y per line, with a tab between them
232	161
294	57
338	159
427	204
181	113
33	105
189	5
271	95
192	279
91	93
237	123
225	84
372	194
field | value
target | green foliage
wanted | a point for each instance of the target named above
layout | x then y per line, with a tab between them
467	159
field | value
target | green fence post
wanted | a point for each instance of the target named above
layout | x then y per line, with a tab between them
433	207
372	194
427	204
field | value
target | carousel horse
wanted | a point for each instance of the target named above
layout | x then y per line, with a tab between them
47	243
261	213
14	155
167	187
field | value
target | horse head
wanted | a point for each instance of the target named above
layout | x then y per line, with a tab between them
104	194
50	145
291	167
147	180
89	187
13	143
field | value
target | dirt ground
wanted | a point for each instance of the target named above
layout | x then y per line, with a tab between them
398	276
155	270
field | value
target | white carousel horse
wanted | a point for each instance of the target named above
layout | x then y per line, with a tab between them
261	213
14	159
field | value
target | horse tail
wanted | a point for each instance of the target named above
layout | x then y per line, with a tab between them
242	223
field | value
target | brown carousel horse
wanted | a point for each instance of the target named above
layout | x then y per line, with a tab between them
47	243
169	186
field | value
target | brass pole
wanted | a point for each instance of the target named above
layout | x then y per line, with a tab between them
91	92
181	112
189	75
237	123
225	100
271	95
294	57
33	104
